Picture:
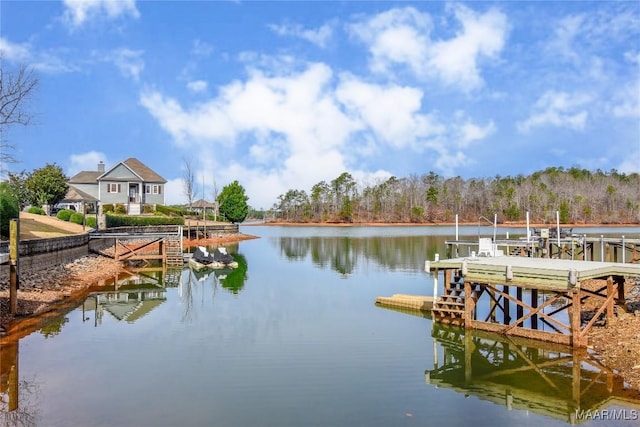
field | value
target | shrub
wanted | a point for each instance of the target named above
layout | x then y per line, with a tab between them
65	214
107	207
148	209
120	209
126	220
36	210
76	218
91	222
170	210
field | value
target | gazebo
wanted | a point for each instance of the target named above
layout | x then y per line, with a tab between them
80	198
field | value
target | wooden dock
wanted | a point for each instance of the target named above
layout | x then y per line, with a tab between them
144	244
412	302
488	293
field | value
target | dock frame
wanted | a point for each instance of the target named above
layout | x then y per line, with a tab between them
501	283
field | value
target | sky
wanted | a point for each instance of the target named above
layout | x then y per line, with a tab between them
282	95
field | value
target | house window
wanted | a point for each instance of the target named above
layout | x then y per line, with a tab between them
153	189
113	188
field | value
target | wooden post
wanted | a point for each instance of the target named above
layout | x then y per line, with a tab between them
506	309
468	305
519	308
621	299
534	304
610	290
447	279
576	318
14	270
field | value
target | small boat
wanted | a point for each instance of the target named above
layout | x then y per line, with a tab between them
202	259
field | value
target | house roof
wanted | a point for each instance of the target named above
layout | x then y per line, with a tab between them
138	168
76	195
85	177
199	204
143	171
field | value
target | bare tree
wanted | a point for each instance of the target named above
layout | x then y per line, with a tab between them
189	182
15	90
215	201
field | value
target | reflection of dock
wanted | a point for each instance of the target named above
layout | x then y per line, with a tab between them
482	292
548	379
132	298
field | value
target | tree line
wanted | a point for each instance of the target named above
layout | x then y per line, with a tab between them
579	195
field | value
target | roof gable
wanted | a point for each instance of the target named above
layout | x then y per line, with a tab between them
134	169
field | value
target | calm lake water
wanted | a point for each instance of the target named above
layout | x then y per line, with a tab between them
293	338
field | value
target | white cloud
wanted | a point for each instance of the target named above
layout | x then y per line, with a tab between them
631	163
24	53
559	109
174	192
402	37
626	101
397	36
197	86
566	31
85	162
319	36
471	132
482	36
78	12
201	48
291	127
15	52
392	112
129	62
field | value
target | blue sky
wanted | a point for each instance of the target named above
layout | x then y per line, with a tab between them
282	95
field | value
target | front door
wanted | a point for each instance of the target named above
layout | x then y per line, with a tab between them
133	193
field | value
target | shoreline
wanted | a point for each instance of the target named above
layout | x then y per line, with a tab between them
422	224
48	292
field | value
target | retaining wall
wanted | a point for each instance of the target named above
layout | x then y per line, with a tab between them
36	254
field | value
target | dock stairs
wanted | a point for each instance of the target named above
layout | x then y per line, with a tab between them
449	308
174	257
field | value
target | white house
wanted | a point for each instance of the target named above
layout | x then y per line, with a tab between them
129	183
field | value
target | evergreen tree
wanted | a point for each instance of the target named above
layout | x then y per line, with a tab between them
47	185
233	202
9	208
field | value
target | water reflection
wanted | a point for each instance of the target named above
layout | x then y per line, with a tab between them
129	296
343	254
18	396
549	379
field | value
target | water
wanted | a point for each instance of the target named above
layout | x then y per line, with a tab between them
293	338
